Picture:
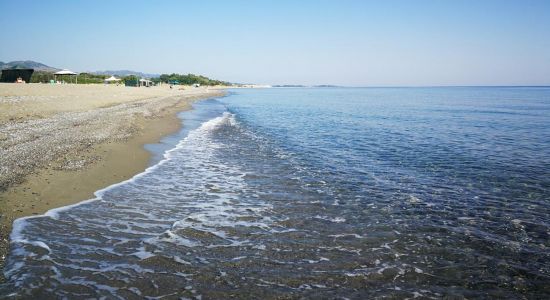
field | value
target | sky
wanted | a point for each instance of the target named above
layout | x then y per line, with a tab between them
350	43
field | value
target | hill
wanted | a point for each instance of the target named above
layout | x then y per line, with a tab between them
28	64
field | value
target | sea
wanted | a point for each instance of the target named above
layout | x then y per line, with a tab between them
320	193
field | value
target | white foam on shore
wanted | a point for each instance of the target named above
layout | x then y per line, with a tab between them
190	200
20	223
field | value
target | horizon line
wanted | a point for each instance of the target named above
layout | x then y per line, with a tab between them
389	86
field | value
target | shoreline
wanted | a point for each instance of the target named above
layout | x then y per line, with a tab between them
107	162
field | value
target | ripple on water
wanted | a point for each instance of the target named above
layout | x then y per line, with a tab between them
361	199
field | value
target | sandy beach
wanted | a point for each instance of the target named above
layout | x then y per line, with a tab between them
60	143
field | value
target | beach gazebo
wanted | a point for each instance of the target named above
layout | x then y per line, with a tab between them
65	72
112	79
145	82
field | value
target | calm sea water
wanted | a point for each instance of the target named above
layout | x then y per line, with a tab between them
318	193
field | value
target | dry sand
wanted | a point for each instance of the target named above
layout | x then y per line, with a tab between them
60	143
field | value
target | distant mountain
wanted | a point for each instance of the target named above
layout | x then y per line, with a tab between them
121	73
301	86
326	86
28	64
288	86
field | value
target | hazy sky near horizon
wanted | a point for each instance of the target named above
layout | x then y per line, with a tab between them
354	43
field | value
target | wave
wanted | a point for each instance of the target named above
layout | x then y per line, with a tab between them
185	200
19	224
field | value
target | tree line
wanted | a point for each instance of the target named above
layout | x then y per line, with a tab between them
85	78
188	79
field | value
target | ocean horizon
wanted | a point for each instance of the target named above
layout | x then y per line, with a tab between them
315	192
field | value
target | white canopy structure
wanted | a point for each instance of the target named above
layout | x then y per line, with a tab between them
145	82
111	79
65	72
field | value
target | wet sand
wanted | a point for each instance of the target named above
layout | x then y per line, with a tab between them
61	143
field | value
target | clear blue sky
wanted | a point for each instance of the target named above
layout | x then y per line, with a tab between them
359	43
